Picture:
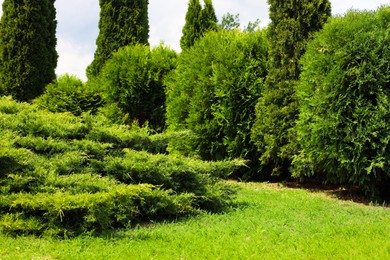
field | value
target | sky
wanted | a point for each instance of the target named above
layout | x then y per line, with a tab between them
77	27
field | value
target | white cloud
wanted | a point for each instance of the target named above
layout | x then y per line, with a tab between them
73	58
78	24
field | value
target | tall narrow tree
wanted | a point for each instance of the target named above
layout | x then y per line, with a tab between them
122	22
293	23
198	21
192	26
28	55
209	18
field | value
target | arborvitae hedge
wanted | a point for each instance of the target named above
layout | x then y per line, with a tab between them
292	25
122	22
28	55
344	96
214	90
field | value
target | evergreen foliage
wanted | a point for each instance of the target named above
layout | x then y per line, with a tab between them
133	81
292	26
192	26
70	94
344	96
122	22
198	21
28	55
65	175
214	90
209	18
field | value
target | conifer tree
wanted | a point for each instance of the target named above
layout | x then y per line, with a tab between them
209	18
293	23
198	21
122	22
192	26
28	55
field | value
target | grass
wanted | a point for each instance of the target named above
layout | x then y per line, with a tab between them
268	223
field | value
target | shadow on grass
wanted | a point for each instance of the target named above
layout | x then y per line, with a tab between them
147	230
341	192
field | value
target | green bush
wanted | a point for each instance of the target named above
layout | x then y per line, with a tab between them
65	175
344	97
62	213
214	90
69	94
133	81
178	173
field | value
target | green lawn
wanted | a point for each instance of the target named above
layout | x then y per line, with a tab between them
269	223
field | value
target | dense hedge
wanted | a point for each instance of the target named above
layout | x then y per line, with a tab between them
344	97
64	175
214	90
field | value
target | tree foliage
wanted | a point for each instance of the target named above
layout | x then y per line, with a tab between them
66	175
292	25
209	18
198	21
122	22
70	94
344	96
28	55
133	80
214	90
230	22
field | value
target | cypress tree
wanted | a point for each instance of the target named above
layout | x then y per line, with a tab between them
209	18
28	55
198	21
293	23
192	26
122	22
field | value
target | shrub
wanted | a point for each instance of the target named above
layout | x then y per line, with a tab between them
65	175
214	90
65	214
178	173
133	80
69	94
344	96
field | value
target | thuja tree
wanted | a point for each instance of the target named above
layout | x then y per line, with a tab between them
292	25
214	90
122	22
344	96
209	18
199	20
28	56
70	94
191	29
133	80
